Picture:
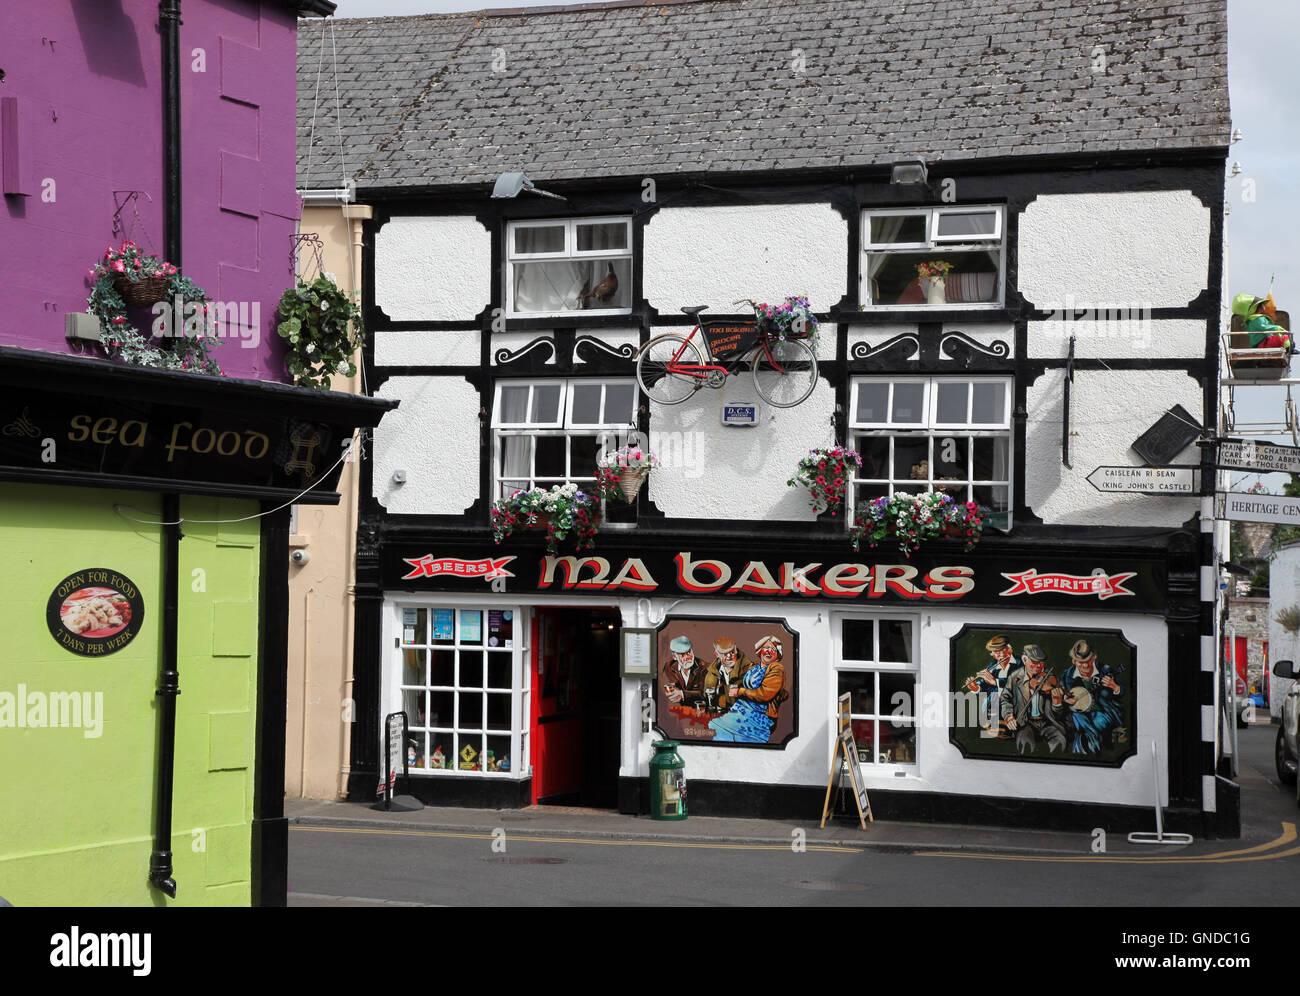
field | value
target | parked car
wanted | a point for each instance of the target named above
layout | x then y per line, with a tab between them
1286	752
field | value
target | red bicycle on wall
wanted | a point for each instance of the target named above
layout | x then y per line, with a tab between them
670	367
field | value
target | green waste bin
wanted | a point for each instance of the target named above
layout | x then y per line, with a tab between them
667	782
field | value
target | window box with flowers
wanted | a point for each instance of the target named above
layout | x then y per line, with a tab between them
913	518
561	511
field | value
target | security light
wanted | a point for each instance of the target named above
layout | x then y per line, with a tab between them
909	171
509	185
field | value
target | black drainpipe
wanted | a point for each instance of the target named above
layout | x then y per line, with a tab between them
169	22
160	861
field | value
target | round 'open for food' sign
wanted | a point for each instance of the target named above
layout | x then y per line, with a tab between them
95	611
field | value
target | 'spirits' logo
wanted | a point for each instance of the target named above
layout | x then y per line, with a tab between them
489	568
1097	583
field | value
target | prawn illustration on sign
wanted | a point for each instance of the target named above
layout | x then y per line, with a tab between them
723	681
1044	694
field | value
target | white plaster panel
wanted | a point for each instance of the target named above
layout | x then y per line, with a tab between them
433	436
1149	247
433	268
1108	410
1125	332
711	471
714	255
940	768
403	348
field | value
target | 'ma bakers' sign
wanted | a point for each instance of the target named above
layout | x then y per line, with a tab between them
687	573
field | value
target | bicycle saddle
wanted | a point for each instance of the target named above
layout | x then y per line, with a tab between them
694	310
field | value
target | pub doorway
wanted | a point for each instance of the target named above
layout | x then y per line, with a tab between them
576	703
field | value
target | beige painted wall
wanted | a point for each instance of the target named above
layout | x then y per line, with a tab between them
320	592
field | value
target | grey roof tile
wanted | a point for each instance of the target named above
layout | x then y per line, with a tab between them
711	85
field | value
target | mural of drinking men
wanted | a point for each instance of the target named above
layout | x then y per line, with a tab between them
756	698
990	682
726	671
683	676
1092	693
1033	704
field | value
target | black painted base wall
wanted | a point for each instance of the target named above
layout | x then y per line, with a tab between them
802	803
472	793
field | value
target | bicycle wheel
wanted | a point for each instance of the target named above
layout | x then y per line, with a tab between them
652	369
788	376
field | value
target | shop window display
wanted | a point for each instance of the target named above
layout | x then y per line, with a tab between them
877	667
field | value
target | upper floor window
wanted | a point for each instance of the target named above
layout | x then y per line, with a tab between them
946	434
557	266
546	433
942	257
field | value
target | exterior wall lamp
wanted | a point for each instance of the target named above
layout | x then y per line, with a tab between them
909	171
509	185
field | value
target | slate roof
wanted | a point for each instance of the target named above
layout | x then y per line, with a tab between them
634	88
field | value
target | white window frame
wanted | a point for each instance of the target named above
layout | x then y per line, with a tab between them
932	429
570	251
876	666
565	426
940	244
520	760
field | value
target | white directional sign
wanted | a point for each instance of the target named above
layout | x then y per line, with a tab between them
1243	507
1248	454
1145	480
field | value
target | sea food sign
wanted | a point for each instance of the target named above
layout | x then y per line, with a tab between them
132	439
1084	586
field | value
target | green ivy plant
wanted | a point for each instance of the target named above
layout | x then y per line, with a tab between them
321	325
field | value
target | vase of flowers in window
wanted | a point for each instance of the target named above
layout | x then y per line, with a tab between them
562	511
621	473
934	280
912	518
826	473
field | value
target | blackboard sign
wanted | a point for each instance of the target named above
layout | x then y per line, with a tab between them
732	339
394	754
1173	433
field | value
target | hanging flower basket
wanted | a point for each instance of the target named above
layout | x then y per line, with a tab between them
826	474
142	293
619	475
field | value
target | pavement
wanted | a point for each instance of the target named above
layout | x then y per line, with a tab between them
564	822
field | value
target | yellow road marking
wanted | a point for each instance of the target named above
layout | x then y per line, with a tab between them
1287	836
585	840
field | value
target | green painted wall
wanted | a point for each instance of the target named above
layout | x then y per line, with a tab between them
78	821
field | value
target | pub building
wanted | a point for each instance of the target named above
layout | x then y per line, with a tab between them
145	512
1067	313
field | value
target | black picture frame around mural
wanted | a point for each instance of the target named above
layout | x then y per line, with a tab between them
1075	633
790	660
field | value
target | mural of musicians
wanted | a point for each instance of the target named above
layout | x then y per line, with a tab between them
1092	694
1033	704
728	668
756	698
989	682
683	676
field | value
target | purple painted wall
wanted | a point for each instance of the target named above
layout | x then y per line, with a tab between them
86	120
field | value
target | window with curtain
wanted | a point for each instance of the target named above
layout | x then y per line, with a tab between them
877	665
558	266
900	248
946	434
552	432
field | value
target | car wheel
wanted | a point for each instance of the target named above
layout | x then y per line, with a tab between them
1286	764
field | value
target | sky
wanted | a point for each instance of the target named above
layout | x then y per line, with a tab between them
1264	198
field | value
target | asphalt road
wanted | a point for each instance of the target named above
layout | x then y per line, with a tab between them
362	867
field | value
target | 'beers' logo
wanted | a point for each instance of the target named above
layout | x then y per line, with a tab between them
94	612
